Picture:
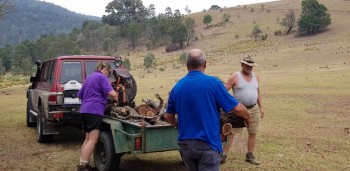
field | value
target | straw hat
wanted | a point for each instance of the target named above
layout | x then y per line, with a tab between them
248	60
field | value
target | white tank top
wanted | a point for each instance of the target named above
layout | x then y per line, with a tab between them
246	92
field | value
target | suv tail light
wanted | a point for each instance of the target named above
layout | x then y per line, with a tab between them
52	100
138	143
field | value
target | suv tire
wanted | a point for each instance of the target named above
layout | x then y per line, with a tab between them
39	128
131	90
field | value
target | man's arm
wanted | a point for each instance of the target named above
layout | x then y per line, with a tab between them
262	113
114	95
241	110
171	119
231	82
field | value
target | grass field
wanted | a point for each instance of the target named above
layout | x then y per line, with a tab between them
305	85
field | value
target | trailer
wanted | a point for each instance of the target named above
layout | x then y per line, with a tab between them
119	137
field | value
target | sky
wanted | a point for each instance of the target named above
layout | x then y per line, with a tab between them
97	7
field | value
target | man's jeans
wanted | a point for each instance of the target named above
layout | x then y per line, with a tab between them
198	156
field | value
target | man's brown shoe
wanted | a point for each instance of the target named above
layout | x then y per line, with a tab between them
223	157
251	159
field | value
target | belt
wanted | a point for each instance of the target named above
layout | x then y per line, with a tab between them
248	107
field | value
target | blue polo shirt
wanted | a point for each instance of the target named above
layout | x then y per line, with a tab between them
197	98
94	93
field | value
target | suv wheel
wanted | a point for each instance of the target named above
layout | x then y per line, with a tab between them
31	122
39	128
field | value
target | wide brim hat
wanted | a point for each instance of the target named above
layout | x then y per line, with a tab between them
248	60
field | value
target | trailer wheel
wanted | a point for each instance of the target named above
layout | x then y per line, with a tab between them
39	128
104	154
30	118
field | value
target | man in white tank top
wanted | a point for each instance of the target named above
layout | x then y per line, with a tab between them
245	87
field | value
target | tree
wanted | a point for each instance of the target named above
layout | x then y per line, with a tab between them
122	12
207	19
313	18
148	61
6	6
188	10
134	31
289	21
215	7
183	57
226	18
151	10
178	33
168	12
127	64
256	32
190	28
6	54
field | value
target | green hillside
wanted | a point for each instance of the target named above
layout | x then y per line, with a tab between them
32	18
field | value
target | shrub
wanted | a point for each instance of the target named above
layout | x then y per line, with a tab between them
278	32
183	57
264	36
172	47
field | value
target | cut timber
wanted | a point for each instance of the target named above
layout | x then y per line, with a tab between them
120	110
150	113
226	129
143	109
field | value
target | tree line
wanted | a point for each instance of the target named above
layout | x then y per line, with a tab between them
126	23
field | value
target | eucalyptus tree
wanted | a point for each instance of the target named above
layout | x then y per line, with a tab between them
314	17
122	12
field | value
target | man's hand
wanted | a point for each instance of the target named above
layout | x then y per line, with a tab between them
262	113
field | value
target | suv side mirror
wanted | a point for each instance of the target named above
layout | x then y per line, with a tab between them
38	63
32	79
118	62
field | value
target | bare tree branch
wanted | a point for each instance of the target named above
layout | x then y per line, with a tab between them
289	21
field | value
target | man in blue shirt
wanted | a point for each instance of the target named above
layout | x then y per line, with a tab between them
197	98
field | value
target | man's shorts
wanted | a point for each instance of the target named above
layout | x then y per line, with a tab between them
253	127
91	121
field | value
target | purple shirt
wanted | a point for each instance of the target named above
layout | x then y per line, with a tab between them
94	93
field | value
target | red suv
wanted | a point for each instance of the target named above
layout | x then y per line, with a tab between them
52	98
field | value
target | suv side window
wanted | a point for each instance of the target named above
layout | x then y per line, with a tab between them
52	72
71	70
45	72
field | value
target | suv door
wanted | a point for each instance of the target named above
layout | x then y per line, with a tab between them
45	83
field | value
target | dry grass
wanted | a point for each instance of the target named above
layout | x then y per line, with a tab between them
305	84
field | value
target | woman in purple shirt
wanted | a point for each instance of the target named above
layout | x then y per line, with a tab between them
94	95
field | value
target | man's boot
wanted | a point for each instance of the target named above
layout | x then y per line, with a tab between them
251	159
223	157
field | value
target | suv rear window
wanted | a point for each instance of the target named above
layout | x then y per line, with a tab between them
71	70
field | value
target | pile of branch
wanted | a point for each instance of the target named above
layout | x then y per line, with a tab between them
149	113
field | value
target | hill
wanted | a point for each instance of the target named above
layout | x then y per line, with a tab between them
32	18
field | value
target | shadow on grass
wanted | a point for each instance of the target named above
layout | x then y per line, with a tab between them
70	135
138	164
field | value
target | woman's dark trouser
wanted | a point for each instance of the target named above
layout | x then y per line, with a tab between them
198	156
